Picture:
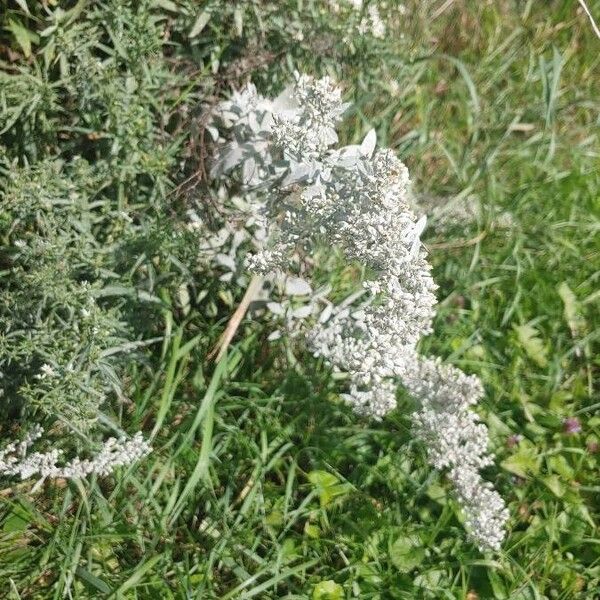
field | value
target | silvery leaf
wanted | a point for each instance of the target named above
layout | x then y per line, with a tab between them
302	312
330	136
345	107
225	261
297	173
350	300
295	286
214	133
415	236
249	170
275	308
232	158
285	102
183	296
326	313
368	144
347	156
199	24
342	314
238	237
322	291
253	122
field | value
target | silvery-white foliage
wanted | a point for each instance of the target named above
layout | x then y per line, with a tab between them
16	458
296	302
303	192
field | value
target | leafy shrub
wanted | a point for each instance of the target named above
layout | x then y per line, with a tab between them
99	102
87	167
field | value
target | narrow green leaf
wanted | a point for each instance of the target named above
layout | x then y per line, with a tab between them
138	575
23	5
200	24
206	417
23	36
167	5
92	580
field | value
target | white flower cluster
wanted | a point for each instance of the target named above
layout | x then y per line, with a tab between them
356	198
15	459
371	22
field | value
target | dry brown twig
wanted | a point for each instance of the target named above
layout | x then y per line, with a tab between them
232	326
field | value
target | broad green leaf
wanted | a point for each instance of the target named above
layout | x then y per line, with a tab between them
554	484
497	425
322	478
524	462
532	344
497	584
329	494
429	579
584	512
560	465
312	531
289	549
15	522
328	590
407	553
328	486
436	492
274	519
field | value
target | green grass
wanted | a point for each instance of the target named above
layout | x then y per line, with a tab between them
263	485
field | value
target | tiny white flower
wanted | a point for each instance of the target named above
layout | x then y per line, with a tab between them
46	371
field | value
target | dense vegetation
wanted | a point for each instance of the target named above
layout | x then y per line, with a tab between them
262	483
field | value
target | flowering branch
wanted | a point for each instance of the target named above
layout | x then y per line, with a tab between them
16	458
303	192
